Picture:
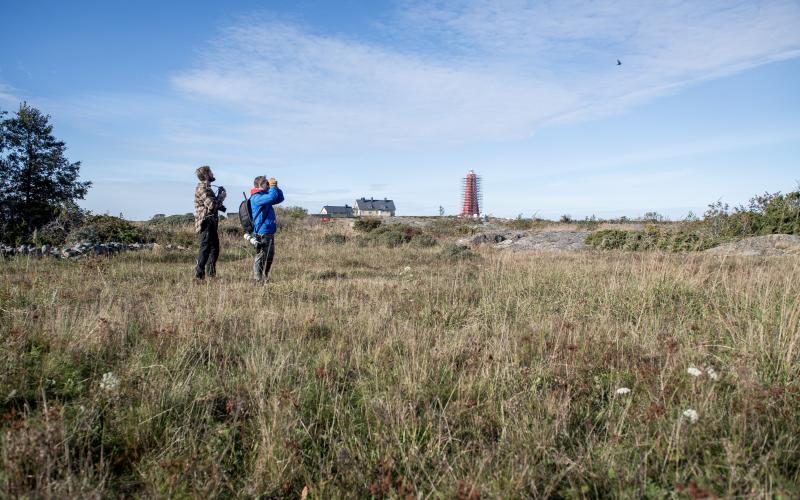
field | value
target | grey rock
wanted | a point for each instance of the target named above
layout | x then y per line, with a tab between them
772	245
548	241
490	238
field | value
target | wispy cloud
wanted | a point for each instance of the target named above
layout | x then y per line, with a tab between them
458	72
308	90
8	97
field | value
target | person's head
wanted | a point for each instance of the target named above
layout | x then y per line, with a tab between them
204	174
260	182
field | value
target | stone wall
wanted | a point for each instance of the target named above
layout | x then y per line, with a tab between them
82	249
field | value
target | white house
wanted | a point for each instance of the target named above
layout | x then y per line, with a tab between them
373	208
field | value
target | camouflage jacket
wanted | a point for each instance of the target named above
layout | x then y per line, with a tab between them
206	205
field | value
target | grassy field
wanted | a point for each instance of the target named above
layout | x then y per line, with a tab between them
367	371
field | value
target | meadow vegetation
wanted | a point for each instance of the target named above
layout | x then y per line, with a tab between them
380	368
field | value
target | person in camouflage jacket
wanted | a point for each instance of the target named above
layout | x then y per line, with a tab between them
206	220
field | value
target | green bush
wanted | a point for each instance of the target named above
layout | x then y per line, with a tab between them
390	236
608	239
781	214
398	234
451	226
105	228
172	220
652	238
365	225
451	251
774	213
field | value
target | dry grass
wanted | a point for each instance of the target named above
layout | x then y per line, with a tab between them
490	376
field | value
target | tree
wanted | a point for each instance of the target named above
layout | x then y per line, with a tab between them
36	179
441	211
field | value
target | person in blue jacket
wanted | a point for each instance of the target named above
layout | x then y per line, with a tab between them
263	196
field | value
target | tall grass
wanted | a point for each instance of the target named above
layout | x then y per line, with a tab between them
365	371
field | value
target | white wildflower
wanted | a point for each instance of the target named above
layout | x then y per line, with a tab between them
712	373
691	415
109	382
694	371
622	391
407	269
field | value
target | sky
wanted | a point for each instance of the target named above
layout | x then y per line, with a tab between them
339	100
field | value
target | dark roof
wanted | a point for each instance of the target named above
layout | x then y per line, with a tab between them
332	209
373	204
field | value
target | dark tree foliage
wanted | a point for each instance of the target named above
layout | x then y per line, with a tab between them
36	179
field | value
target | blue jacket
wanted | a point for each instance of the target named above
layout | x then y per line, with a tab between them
263	214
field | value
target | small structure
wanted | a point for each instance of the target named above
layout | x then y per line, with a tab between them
374	208
333	211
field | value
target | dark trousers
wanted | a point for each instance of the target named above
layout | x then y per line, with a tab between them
209	250
265	252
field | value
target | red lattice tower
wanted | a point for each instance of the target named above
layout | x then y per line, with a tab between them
471	189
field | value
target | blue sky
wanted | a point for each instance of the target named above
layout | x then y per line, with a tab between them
399	99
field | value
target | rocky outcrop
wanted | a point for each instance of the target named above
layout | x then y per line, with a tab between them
82	249
545	241
491	238
548	241
771	245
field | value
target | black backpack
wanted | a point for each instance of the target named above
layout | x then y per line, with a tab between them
246	215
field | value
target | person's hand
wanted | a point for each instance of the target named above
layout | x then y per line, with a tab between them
222	195
273	182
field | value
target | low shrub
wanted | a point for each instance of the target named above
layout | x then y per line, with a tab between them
451	226
398	234
451	251
172	220
390	236
365	225
651	238
105	228
336	239
608	239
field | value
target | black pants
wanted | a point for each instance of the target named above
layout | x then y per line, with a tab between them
265	252
209	249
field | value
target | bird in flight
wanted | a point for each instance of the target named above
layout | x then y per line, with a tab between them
619	63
